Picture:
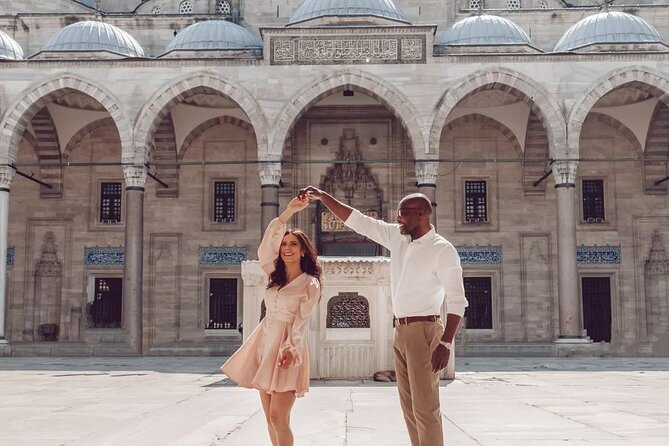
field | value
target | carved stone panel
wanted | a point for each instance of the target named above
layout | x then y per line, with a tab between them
48	291
363	49
536	295
348	310
165	296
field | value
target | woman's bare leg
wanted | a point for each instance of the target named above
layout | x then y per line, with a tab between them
279	415
266	399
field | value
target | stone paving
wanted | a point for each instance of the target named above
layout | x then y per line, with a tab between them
184	401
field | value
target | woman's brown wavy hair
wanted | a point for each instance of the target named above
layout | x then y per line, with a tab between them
309	263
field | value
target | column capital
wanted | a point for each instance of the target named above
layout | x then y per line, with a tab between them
6	175
564	173
270	173
426	172
135	176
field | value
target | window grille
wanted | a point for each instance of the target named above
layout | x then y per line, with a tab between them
224	201
106	309
512	4
222	304
186	7
479	294
155	9
543	4
476	208
475	4
348	310
223	7
593	201
110	202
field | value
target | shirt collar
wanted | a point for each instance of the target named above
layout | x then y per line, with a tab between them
424	238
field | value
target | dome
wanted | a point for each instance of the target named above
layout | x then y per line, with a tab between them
9	49
483	30
94	35
213	35
610	27
313	9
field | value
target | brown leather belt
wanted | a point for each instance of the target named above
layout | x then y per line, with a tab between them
411	319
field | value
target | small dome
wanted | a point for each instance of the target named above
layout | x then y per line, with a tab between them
483	30
213	35
94	35
608	27
9	49
313	9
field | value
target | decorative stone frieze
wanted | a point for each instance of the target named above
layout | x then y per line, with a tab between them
480	255
426	172
270	173
106	256
135	176
564	172
220	255
354	267
598	255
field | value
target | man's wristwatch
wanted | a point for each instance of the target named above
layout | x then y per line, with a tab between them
446	344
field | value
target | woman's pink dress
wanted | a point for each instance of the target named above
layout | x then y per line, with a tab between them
255	364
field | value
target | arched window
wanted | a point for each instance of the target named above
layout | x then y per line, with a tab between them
348	310
186	7
155	9
543	4
223	7
512	4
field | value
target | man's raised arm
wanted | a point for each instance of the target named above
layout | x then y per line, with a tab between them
341	210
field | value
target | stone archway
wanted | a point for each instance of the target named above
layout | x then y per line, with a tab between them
348	79
200	129
38	95
526	89
159	105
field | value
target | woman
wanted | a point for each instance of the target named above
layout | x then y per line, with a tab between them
275	358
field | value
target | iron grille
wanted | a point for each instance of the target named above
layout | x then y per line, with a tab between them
224	201
593	201
476	208
110	202
222	304
479	294
348	310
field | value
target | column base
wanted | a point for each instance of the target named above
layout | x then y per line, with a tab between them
579	346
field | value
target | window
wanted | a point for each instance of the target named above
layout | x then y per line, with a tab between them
155	9
224	201
479	294
105	310
223	7
222	304
186	7
110	202
475	4
543	4
476	208
593	201
512	4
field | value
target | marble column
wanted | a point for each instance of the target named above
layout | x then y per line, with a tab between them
564	173
6	175
426	176
135	178
270	178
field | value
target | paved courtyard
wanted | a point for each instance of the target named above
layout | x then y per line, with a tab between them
184	401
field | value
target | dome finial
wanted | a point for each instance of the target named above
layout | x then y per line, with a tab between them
605	5
98	14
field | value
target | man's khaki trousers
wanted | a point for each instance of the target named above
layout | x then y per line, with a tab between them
417	385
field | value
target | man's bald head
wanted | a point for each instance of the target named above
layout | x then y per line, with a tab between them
419	201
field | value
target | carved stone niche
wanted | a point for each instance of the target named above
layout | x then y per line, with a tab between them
656	284
352	182
48	291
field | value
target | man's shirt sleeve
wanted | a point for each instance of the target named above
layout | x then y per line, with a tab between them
377	230
449	273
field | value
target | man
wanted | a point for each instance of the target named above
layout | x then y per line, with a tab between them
424	266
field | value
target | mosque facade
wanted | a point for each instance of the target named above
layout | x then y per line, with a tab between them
145	145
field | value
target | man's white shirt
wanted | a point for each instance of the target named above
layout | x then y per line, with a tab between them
423	271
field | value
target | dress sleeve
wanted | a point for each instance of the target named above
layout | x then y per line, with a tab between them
296	342
268	251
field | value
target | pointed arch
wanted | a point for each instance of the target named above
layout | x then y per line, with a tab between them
605	84
200	129
39	94
521	86
160	104
348	79
83	133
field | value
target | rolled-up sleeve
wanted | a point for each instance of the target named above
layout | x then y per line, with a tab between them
377	230
449	273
